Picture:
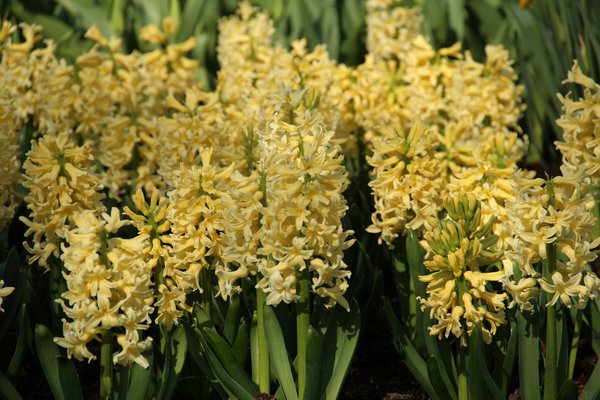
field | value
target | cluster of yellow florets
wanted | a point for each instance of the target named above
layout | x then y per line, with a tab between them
304	178
109	287
557	213
32	87
62	183
246	182
438	122
580	122
463	252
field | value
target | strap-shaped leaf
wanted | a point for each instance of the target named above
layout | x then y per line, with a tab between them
567	391
313	364
347	338
240	345
197	353
175	353
529	355
254	348
20	347
232	319
477	365
201	317
411	356
59	371
279	355
414	260
504	371
192	16
445	361
227	358
435	377
223	379
140	378
90	14
591	390
7	390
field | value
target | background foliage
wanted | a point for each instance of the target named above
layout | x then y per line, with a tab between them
543	36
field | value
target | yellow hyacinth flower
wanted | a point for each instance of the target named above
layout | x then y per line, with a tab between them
108	286
463	254
61	181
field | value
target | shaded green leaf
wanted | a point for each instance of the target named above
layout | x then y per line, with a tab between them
348	329
227	358
140	378
60	372
409	354
279	355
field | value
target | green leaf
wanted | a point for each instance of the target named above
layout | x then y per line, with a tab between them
175	11
348	329
232	319
223	381
140	378
60	372
562	340
89	14
437	382
153	11
509	359
591	390
21	346
241	343
595	317
313	364
14	276
529	355
279	355
477	365
227	358
374	302
201	318
254	348
7	390
116	16
197	353
408	353
175	352
414	259
457	15
445	361
193	10
568	391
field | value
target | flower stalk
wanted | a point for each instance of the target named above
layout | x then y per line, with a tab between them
575	342
106	365
551	376
264	381
302	325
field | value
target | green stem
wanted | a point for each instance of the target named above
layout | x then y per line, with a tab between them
205	283
123	380
302	325
412	309
106	365
575	342
463	382
551	375
264	380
